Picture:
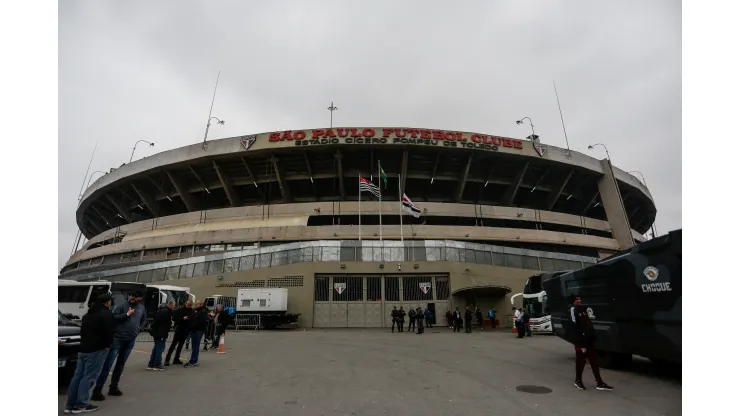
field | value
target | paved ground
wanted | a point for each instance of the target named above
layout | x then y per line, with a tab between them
373	372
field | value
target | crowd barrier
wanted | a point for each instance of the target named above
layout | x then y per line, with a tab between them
249	321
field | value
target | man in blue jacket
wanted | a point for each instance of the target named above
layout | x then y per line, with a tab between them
130	319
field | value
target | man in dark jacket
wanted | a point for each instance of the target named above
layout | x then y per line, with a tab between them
97	336
419	315
130	319
479	318
584	345
200	323
159	330
468	320
394	320
525	322
221	321
183	318
457	319
412	319
401	319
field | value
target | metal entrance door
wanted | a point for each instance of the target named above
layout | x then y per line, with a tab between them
347	301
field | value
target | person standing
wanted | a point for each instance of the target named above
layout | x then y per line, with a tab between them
479	318
584	345
394	320
200	323
412	319
492	317
468	320
401	319
419	320
458	319
525	322
448	315
159	330
183	318
96	338
130	319
221	321
428	318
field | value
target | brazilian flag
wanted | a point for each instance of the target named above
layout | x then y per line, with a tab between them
383	177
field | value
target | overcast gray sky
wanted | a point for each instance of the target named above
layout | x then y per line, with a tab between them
145	70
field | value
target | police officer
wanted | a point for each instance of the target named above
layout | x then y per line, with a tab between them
468	320
412	319
419	320
394	319
401	319
457	319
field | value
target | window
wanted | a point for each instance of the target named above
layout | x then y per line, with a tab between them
391	288
172	273
158	275
215	266
263	303
231	265
199	269
73	294
321	289
246	303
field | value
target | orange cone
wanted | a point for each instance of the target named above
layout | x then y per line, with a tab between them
222	345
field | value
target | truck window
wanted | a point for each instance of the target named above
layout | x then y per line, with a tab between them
209	303
73	294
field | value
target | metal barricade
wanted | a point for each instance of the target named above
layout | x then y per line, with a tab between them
247	321
144	335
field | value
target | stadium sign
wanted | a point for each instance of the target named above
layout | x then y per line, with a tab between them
408	136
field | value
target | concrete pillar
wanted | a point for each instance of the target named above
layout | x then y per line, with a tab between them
611	198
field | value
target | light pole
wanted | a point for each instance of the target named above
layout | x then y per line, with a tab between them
591	147
653	229
136	144
534	137
208	126
331	109
90	178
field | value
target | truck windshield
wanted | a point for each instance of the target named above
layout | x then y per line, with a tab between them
179	296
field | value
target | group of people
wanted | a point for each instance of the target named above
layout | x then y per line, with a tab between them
455	319
417	318
108	337
521	322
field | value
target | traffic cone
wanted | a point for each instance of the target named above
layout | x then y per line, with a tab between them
513	328
222	345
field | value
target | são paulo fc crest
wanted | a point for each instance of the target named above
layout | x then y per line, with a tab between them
340	287
425	287
539	148
248	141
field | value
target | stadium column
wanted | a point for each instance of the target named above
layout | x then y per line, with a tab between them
148	201
186	198
614	207
284	190
552	199
515	184
226	185
126	214
463	179
340	174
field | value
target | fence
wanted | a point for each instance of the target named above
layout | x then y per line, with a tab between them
248	321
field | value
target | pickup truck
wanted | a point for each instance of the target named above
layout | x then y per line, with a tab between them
69	343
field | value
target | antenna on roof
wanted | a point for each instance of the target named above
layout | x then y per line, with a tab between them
561	119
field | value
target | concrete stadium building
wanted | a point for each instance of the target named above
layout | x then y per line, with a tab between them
284	209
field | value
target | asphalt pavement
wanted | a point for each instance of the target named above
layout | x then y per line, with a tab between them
373	372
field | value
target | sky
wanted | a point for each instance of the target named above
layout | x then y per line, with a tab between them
146	70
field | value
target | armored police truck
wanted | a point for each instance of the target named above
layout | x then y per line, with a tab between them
633	299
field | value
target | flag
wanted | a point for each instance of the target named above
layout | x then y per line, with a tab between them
366	185
410	207
383	176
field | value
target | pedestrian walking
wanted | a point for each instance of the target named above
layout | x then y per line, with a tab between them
183	319
584	345
525	322
458	319
492	317
394	319
159	330
419	320
96	338
479	318
222	319
468	320
130	319
401	319
449	318
412	319
519	323
200	323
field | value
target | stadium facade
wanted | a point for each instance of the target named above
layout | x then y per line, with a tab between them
285	209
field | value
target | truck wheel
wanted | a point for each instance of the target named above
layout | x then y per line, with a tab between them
614	360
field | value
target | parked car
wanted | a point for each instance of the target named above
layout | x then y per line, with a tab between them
69	344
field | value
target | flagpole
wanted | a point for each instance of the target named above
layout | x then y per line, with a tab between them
400	206
359	209
380	205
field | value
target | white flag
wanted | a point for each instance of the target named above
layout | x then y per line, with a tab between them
410	207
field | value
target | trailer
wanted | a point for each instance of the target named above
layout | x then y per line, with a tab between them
633	299
270	304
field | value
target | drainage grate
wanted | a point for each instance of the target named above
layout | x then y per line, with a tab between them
534	389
